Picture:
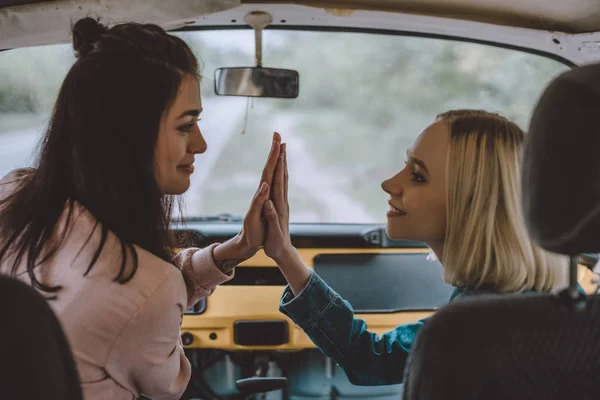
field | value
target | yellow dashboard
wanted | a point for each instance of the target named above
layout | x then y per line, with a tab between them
214	328
388	283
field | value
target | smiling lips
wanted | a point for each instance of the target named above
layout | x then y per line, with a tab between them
189	168
394	212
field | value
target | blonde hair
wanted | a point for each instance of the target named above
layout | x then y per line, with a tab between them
486	242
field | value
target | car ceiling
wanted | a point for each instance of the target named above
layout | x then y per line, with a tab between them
568	29
569	16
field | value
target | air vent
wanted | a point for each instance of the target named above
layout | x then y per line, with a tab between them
197	308
257	276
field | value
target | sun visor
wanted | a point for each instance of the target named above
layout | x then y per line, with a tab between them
50	22
561	174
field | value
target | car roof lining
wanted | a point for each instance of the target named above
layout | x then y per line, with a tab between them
35	22
573	16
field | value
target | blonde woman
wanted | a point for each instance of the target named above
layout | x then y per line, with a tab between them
459	193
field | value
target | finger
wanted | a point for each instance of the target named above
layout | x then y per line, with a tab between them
277	194
272	219
261	196
285	174
271	164
285	215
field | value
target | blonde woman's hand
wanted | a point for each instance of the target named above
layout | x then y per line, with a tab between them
278	244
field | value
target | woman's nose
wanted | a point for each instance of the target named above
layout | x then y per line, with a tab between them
197	145
393	185
385	185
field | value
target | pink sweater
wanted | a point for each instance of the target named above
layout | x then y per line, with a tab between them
125	337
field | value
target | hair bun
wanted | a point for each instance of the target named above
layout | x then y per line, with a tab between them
86	32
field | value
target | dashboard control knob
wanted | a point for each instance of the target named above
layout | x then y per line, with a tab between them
187	338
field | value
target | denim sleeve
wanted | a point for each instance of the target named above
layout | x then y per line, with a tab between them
367	358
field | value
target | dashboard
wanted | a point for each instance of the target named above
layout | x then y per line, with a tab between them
388	283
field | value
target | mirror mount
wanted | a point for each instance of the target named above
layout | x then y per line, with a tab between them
257	81
258	20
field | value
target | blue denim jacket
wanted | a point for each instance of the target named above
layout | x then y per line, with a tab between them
329	321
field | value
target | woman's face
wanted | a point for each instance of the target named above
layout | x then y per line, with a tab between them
417	205
179	139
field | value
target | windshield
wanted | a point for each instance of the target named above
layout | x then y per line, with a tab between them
363	99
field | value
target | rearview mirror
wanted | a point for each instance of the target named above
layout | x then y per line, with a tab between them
257	82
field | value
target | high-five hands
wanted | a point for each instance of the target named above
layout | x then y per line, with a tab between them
278	243
266	224
253	233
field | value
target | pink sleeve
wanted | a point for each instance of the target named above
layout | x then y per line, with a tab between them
147	357
200	273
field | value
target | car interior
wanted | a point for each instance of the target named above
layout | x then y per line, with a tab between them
350	84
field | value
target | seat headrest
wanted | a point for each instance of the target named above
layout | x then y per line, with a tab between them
561	170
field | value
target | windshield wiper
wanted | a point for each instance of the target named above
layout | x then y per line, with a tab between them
224	217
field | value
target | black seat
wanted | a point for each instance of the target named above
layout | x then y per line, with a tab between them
533	346
35	356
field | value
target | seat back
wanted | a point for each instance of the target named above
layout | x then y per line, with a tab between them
35	357
508	347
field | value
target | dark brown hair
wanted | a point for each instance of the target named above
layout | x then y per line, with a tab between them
99	148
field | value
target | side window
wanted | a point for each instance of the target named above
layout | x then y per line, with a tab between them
29	82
